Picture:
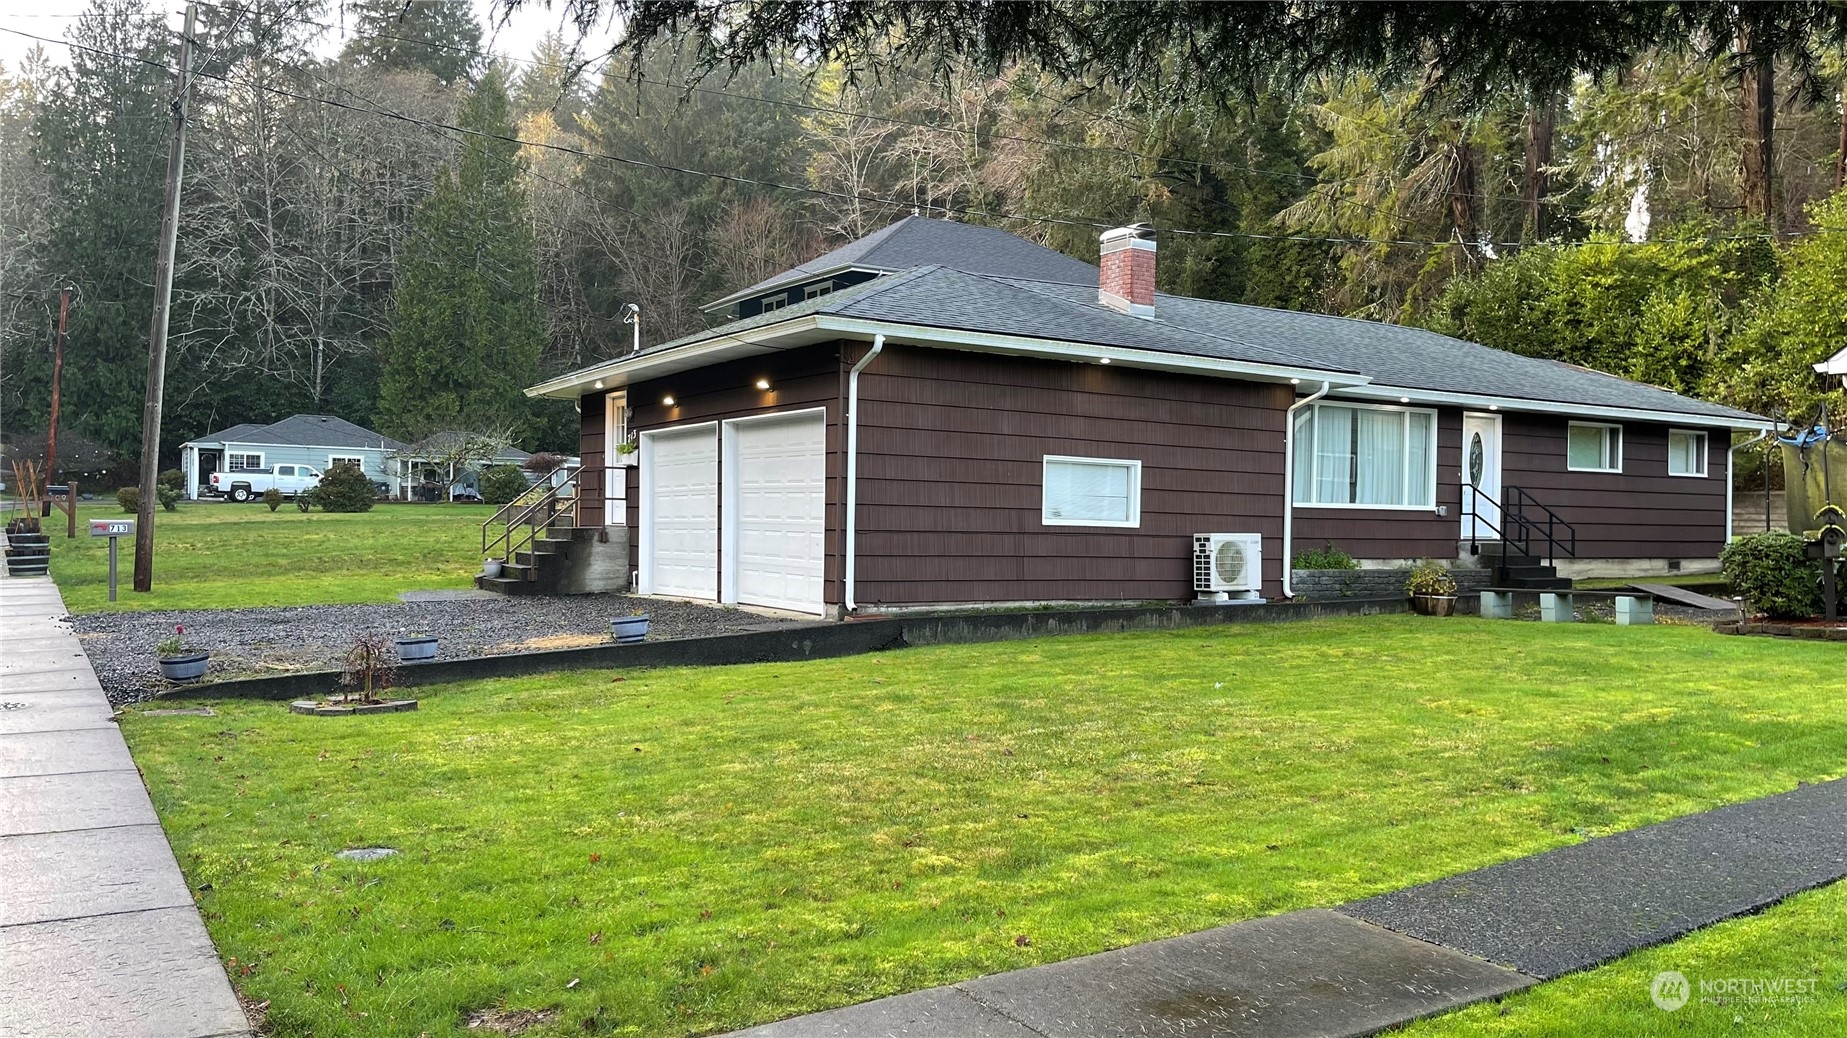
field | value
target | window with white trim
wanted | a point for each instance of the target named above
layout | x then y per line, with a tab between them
1686	452
1363	456
342	459
1590	447
817	291
243	461
1091	492
775	303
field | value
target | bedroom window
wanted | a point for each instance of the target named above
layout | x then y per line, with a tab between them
1360	456
1594	448
1686	453
243	461
1092	492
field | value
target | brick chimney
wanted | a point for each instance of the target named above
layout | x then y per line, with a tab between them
1127	281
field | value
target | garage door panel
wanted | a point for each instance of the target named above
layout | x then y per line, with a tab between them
684	495
780	495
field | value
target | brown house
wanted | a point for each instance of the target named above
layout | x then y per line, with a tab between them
945	414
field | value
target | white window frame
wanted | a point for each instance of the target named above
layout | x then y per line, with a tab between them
774	303
1430	469
1705	463
1606	427
335	459
1134	465
817	291
258	455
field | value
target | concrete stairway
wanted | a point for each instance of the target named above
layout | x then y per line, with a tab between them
565	560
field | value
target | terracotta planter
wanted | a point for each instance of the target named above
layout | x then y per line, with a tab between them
629	629
184	668
1433	605
416	650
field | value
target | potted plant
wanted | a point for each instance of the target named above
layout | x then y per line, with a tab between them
490	568
179	661
417	648
1432	590
626	451
630	629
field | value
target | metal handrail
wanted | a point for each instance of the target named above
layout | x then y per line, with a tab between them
1524	529
528	513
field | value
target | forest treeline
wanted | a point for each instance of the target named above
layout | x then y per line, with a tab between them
380	222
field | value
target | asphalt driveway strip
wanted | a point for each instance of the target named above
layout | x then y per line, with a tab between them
1388	960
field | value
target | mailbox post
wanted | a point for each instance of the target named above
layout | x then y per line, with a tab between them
115	530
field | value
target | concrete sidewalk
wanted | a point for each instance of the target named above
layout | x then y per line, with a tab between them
1386	961
98	933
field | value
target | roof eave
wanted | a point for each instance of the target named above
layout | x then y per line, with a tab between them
722	346
1489	402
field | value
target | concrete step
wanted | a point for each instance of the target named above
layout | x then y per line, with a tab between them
1542	584
1527	571
508	585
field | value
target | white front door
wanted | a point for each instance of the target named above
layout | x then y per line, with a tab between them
776	511
1481	469
615	467
679	512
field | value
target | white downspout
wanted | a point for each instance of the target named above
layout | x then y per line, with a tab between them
1289	485
1730	459
852	531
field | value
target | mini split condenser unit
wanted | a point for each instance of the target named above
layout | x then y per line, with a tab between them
1228	566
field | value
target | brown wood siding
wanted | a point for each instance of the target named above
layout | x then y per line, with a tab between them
590	433
800	380
951	451
1641	512
1373	533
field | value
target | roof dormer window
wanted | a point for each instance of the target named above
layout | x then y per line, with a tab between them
775	303
817	291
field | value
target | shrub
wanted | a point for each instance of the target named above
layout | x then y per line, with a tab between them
273	498
1430	579
304	500
129	498
344	488
1328	557
502	483
1774	575
543	463
370	667
169	497
172	478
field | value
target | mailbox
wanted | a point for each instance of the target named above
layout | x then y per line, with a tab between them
112	527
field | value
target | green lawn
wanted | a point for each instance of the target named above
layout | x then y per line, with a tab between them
703	849
215	556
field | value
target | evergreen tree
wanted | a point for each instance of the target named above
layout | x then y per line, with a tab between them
466	325
101	138
435	36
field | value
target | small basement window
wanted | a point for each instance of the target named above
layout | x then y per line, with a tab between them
1594	448
1092	492
243	461
1686	453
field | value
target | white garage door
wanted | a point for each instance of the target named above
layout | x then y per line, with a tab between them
680	493
778	497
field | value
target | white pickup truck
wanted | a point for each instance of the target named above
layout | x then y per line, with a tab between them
245	484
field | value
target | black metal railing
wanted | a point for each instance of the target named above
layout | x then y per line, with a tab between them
1524	521
534	510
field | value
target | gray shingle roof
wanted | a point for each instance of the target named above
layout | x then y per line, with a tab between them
918	241
305	430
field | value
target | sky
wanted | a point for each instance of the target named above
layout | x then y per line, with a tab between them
50	18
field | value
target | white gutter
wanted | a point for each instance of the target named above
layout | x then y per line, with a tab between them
1289	485
852	531
1477	402
1730	459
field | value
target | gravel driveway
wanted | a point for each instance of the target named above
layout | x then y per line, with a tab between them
246	642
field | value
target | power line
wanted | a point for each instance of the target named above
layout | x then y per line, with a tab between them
895	203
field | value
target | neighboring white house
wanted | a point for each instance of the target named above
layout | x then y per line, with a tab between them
431	469
317	440
1835	366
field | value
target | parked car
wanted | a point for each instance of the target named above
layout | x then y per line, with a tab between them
247	484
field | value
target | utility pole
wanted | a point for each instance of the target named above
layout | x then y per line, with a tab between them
57	377
157	331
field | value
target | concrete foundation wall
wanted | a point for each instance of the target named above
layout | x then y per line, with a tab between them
596	563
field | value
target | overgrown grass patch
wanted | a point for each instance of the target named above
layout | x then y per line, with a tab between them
210	555
702	849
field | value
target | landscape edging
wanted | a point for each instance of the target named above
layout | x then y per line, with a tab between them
821	640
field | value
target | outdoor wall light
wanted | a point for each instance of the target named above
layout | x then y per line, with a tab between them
667	401
763	383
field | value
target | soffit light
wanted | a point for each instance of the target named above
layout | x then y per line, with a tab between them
599	383
667	401
1104	360
763	383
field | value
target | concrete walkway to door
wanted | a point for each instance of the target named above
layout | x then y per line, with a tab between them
98	933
